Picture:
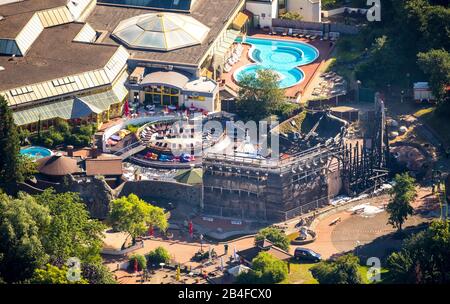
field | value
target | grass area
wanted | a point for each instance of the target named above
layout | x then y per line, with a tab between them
438	122
301	274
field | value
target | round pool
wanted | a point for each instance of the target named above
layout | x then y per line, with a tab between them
286	78
281	56
36	152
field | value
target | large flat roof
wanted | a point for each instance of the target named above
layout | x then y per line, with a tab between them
17	14
212	13
54	54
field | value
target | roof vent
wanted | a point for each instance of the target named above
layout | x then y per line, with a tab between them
1	18
2	68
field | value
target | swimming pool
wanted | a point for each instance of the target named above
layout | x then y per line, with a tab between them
36	152
281	56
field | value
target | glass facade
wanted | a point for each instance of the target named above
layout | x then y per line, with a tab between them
162	95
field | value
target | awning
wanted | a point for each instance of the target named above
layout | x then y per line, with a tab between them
240	20
78	107
223	49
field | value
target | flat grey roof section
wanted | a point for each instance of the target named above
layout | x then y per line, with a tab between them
212	13
17	14
54	55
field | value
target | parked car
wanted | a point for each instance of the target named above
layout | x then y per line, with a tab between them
304	254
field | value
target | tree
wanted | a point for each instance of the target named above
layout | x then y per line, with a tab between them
53	275
159	255
259	95
22	223
342	271
72	233
275	235
402	194
97	273
436	65
133	215
424	257
140	260
11	163
266	269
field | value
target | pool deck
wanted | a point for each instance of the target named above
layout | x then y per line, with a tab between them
310	70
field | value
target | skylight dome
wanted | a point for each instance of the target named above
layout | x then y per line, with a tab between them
161	31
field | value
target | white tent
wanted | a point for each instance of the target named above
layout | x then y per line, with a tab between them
237	270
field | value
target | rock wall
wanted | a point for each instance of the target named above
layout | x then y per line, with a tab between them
177	192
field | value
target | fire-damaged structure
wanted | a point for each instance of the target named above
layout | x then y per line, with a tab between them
317	162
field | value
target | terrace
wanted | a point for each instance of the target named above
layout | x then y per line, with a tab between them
310	70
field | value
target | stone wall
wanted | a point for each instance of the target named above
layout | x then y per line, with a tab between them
167	190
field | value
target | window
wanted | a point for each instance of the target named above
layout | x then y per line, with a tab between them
21	91
63	81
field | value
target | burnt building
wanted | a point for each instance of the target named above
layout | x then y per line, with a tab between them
317	162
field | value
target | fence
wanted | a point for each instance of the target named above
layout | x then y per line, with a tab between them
316	26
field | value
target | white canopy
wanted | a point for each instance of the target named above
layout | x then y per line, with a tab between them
161	31
237	270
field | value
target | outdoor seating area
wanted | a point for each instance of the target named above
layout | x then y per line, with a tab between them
302	33
330	84
117	137
234	57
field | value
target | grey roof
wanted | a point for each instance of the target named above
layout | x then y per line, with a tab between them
212	13
17	14
54	54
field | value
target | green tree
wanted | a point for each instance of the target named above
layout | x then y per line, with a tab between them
402	194
436	65
159	255
342	271
72	233
259	95
53	275
424	257
97	273
133	215
11	163
22	224
266	269
275	235
141	261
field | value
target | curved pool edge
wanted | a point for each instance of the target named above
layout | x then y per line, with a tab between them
317	52
33	156
240	69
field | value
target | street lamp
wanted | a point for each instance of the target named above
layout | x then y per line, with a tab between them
401	96
358	85
201	242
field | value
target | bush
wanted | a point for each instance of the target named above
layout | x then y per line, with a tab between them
56	137
266	270
275	235
342	271
133	128
47	142
141	260
159	255
62	126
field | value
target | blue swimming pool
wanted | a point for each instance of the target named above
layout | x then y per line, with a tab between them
36	152
280	56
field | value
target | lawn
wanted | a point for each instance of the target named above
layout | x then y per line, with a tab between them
439	123
301	274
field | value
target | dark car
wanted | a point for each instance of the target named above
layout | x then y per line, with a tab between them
304	254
